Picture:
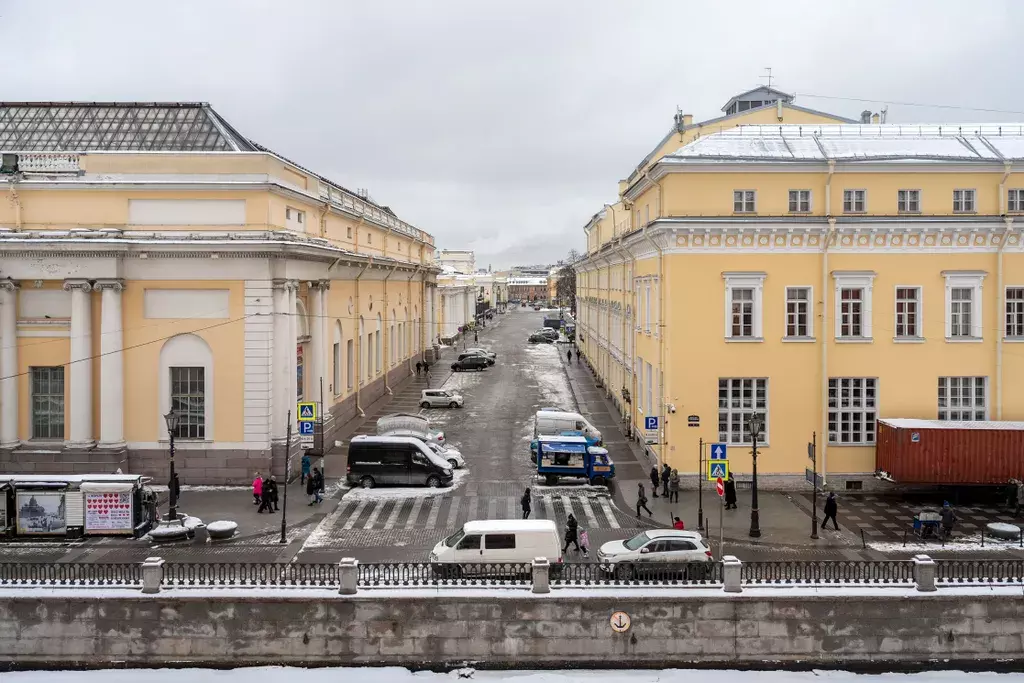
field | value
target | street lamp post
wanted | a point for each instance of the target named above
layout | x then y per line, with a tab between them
756	425
172	418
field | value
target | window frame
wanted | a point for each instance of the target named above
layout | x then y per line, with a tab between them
836	410
918	305
972	280
965	193
1017	303
1016	205
745	195
799	200
853	201
726	437
948	409
859	279
903	202
809	313
191	420
50	397
745	280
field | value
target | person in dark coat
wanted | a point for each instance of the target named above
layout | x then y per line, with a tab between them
571	533
654	481
831	508
306	464
311	489
666	474
673	487
948	520
419	367
266	497
641	501
568	355
176	483
318	485
526	503
730	493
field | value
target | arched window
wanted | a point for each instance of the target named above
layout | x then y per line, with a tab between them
186	386
378	343
392	341
336	359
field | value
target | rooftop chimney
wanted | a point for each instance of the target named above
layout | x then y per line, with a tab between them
865	116
874	118
687	119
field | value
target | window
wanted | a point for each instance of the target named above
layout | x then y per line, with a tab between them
501	541
640	384
647	308
908	201
798	319
336	367
738	399
743	201
650	391
350	362
470	543
963	305
799	201
963	201
348	232
961	302
48	403
369	238
963	398
1015	200
908	322
853	304
854	201
188	399
1015	311
852	405
743	305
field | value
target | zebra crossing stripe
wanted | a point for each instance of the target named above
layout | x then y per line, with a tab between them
351	522
435	507
606	506
492	508
588	512
453	512
389	523
374	514
472	507
415	512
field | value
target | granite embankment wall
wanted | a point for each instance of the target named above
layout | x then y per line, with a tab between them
758	628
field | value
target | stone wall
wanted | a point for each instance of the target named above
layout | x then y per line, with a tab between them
866	628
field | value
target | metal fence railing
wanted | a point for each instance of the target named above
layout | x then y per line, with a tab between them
68	574
397	574
640	574
979	571
841	571
250	574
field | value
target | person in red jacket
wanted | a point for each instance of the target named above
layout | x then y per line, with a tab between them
677	524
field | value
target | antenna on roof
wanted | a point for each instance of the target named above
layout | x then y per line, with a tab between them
768	69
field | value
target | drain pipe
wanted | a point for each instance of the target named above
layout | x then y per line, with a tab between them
626	346
829	233
387	335
1000	333
408	298
359	338
16	200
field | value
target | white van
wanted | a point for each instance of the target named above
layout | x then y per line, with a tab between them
496	542
553	423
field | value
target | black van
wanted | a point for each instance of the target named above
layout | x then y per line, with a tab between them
395	461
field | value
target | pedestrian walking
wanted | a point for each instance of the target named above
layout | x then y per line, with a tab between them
730	493
257	489
265	498
318	485
571	533
677	524
526	503
641	501
673	487
1020	497
476	336
568	355
831	508
306	463
273	492
666	474
654	482
585	543
311	489
176	485
948	520
419	368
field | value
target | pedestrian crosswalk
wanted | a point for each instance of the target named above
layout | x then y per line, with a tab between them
451	511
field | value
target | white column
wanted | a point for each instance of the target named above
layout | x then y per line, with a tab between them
318	343
9	364
293	336
111	365
81	435
283	350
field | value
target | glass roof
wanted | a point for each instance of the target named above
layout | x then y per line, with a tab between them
133	126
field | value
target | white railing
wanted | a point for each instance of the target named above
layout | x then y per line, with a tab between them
48	162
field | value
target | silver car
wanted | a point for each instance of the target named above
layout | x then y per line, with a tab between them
440	398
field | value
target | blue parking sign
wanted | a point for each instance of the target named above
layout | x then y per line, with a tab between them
307	428
651	423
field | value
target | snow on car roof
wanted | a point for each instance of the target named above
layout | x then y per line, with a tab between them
486	525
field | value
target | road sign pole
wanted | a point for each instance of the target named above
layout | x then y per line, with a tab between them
812	449
700	485
287	461
721	528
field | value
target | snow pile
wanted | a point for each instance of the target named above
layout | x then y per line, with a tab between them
583	490
400	492
960	544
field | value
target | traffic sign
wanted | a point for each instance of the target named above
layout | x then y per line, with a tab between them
719	451
718	469
720	487
620	622
814	478
306	428
307	412
651	423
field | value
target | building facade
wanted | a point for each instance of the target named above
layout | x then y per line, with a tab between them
822	276
155	260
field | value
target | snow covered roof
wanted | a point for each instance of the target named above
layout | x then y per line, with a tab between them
762	93
859	142
909	423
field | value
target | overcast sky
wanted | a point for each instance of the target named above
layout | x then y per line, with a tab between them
503	127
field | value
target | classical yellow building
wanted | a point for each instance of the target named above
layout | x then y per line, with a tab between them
821	275
154	259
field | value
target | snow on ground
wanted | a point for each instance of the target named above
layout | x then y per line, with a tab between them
400	492
399	675
960	544
552	382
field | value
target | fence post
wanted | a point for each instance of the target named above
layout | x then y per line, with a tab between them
924	573
152	574
541	575
731	567
348	570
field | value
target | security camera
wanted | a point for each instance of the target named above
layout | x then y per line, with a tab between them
671	408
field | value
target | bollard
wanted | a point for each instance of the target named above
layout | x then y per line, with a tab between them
152	574
924	573
731	567
348	571
541	575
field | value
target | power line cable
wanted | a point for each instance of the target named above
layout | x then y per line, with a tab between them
878	100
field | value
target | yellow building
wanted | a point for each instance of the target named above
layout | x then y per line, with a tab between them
822	276
154	259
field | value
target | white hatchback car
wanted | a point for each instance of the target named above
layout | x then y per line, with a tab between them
452	455
440	398
655	551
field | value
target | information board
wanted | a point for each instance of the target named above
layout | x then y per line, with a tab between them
109	512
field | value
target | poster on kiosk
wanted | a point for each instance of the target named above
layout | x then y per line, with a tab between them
109	508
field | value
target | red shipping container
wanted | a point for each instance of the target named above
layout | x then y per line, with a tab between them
937	452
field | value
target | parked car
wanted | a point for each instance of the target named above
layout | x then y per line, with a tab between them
496	546
406	424
548	332
541	339
395	460
453	456
661	552
469	362
468	354
483	352
440	398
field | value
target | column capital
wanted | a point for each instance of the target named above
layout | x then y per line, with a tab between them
115	284
323	285
83	285
9	285
286	285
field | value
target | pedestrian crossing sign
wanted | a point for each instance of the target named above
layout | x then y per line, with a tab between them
307	412
718	469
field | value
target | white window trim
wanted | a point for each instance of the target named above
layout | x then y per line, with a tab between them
1004	330
810	201
847	279
918	327
744	202
974	200
868	427
809	337
908	190
970	279
853	210
764	441
973	408
745	280
1020	200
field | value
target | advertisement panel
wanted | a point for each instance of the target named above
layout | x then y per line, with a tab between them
41	513
111	512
